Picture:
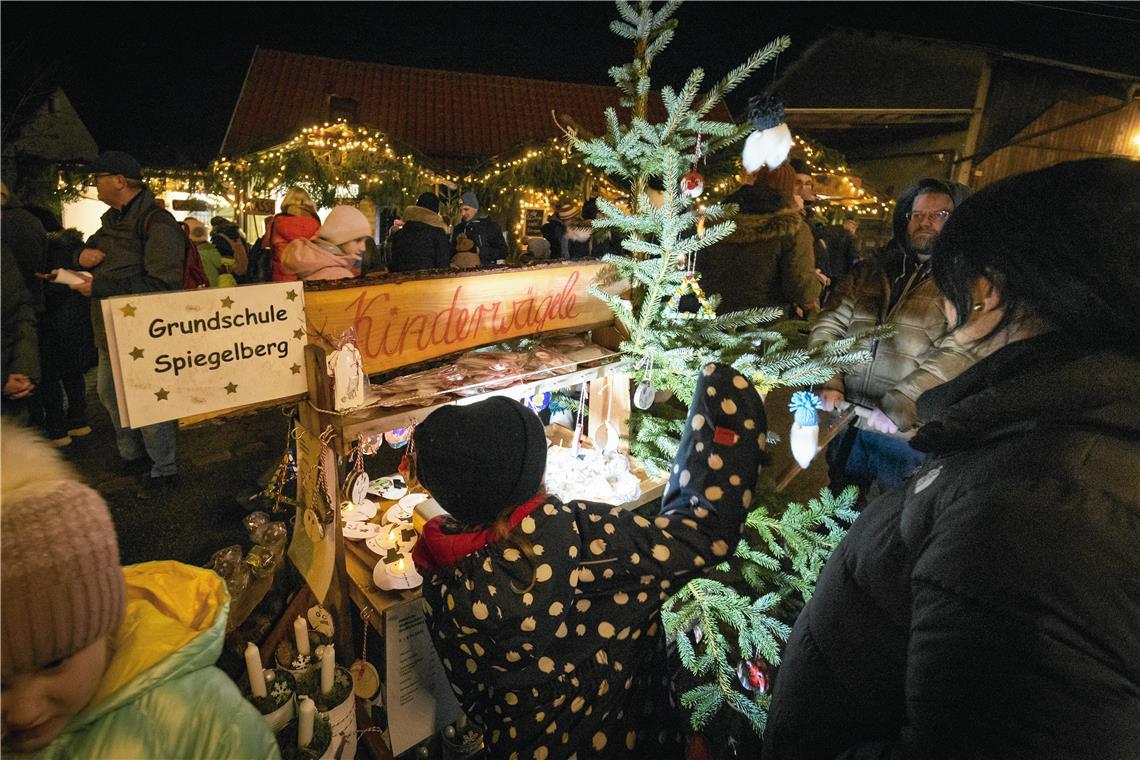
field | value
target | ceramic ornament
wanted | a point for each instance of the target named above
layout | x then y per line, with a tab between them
692	184
804	436
771	142
352	512
399	437
643	396
537	402
349	381
396	571
389	487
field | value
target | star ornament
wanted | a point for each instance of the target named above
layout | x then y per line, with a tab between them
128	310
136	353
162	394
231	388
296	369
291	295
227	302
299	333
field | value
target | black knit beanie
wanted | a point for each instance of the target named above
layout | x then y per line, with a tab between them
479	459
430	201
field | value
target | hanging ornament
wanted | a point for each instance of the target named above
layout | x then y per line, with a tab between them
692	184
398	437
804	437
689	285
754	674
580	419
370	443
643	396
770	144
701	217
357	481
537	402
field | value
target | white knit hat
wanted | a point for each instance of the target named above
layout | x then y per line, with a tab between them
344	223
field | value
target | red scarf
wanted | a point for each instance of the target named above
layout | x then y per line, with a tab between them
436	550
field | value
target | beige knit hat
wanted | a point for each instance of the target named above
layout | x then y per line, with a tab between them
62	586
344	223
195	230
567	210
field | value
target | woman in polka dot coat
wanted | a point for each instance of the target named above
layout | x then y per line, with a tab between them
545	613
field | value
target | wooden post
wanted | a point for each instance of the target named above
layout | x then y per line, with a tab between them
337	601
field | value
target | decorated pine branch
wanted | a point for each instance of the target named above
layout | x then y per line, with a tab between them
730	626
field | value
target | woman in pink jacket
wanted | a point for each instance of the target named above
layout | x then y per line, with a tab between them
335	252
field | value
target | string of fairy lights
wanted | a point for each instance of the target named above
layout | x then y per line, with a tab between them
350	160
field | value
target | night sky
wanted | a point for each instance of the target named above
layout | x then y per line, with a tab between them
160	79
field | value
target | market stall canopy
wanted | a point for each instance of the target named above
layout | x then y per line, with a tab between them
850	84
456	118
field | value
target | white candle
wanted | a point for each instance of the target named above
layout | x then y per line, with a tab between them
306	714
256	674
328	669
301	633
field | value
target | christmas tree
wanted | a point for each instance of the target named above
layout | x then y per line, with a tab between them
738	616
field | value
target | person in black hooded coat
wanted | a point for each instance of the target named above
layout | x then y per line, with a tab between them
544	612
990	607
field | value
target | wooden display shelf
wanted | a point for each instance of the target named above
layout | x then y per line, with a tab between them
375	419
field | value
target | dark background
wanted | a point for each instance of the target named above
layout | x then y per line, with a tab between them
160	79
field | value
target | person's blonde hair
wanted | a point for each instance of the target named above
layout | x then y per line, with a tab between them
297	198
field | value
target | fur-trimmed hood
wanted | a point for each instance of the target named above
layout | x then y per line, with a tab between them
579	230
751	228
424	216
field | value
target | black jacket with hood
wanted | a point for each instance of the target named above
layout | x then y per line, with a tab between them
421	243
990	608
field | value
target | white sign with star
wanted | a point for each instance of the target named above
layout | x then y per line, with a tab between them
188	352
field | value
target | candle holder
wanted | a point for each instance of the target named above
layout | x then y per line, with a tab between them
279	706
338	706
321	747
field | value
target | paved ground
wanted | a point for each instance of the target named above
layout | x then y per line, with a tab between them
217	464
222	463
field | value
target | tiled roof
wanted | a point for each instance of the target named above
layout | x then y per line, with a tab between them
449	115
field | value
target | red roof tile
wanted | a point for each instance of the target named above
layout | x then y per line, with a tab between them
453	116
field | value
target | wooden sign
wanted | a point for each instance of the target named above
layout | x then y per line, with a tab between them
187	352
407	322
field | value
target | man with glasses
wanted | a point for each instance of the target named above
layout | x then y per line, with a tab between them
139	249
894	287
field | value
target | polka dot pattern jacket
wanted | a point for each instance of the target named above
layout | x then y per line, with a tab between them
562	655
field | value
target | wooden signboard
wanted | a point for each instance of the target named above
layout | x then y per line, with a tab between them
182	353
262	206
407	322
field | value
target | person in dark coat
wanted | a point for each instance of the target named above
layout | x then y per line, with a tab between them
20	362
67	341
481	230
568	233
766	261
421	243
26	240
545	613
990	608
834	246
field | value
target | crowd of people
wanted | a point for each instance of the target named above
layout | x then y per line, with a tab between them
986	603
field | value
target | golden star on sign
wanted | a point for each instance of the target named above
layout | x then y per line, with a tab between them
291	295
227	302
136	353
231	388
128	310
161	394
296	369
299	333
